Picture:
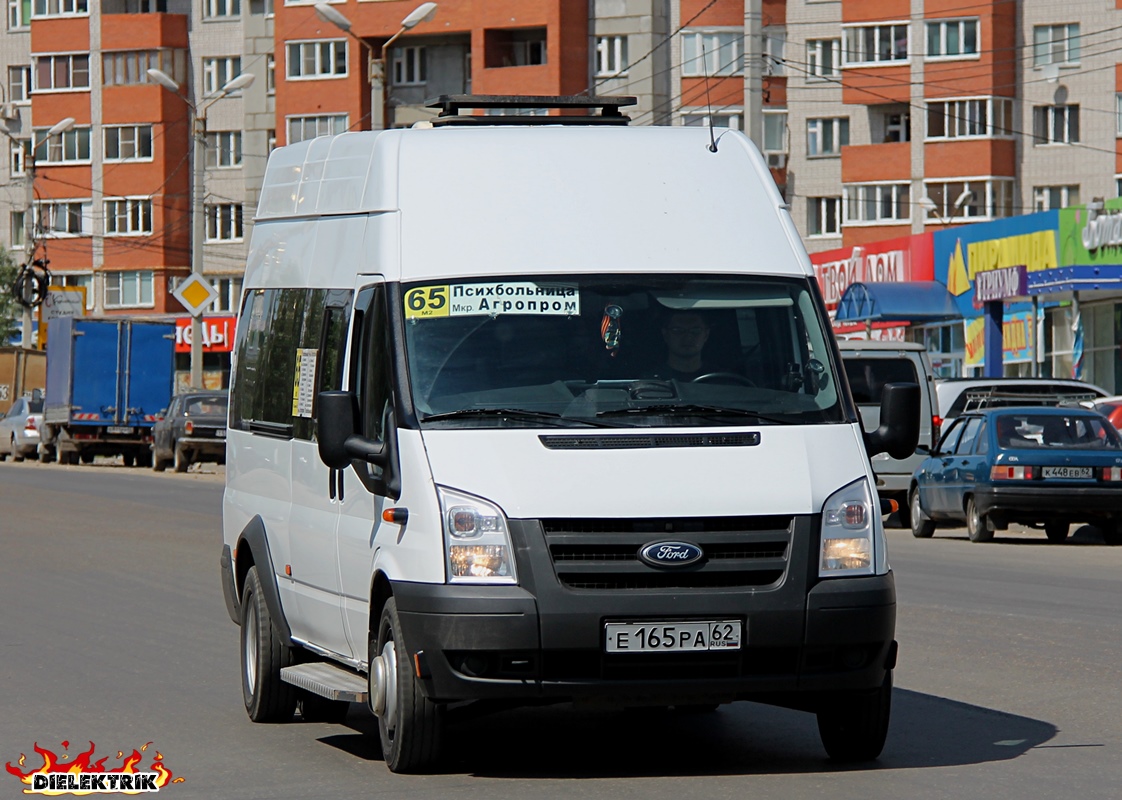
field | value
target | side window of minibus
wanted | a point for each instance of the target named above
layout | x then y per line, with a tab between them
325	331
370	362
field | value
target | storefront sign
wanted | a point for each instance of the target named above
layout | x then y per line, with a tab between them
881	332
1001	284
218	334
907	258
1017	336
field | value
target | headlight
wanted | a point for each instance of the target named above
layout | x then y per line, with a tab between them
847	532
476	540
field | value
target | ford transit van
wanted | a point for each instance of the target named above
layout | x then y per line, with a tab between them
547	409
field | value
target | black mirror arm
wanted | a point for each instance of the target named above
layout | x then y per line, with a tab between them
363	449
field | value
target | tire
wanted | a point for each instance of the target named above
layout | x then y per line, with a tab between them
128	459
85	458
158	464
144	458
411	727
922	527
314	708
976	524
180	460
1112	533
45	455
854	727
3	456
263	655
17	457
1056	531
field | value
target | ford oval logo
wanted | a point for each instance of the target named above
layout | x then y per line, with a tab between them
670	554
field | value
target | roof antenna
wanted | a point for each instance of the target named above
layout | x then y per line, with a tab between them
708	101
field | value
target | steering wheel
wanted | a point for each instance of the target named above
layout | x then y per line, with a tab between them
719	377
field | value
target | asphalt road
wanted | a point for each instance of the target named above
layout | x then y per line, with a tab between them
114	632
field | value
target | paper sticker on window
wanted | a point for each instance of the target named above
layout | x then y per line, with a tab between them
304	382
468	299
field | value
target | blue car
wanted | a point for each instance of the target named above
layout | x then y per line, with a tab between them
1037	466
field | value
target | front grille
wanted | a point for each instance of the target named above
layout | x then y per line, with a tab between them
603	554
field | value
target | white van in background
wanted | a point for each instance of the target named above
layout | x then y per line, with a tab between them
500	431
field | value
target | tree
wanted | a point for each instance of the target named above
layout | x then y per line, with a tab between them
11	312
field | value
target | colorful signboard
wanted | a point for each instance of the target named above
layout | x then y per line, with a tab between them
218	334
908	258
1017	335
1001	284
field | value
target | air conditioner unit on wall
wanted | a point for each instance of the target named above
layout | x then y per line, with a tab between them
776	160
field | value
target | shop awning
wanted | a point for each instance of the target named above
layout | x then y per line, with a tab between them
912	301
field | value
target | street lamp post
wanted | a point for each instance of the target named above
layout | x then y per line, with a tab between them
198	134
29	227
376	73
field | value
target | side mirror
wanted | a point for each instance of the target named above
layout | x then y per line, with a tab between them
898	434
335	432
925	449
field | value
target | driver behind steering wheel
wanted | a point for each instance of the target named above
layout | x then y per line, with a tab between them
685	334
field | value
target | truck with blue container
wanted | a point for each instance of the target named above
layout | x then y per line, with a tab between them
108	380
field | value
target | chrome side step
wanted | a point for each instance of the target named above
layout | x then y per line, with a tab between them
327	680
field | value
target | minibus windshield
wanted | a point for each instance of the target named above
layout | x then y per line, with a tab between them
618	350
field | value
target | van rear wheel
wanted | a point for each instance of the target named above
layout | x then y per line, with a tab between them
410	725
854	726
267	698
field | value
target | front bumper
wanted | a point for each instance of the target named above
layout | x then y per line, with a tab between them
1042	501
543	640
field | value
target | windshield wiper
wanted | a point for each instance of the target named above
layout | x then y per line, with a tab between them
513	413
695	410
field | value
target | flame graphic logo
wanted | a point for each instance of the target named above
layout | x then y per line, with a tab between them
85	765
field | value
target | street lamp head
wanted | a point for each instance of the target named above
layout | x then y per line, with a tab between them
164	80
927	203
240	82
966	197
329	14
422	13
60	126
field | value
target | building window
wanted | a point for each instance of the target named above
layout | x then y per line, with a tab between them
224	222
1055	124
84	280
775	138
68	147
62	73
321	59
823	216
19	149
270	74
229	295
611	56
19	83
1055	44
217	72
270	140
1046	198
65	217
262	8
301	128
224	149
823	59
60	8
216	9
128	143
16	236
19	14
128	289
1118	114
130	68
709	53
898	127
875	44
408	66
128	216
877	202
827	136
720	119
970	199
983	116
952	38
775	43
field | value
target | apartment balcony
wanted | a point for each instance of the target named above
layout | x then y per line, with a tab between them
866	163
877	85
146	31
956	157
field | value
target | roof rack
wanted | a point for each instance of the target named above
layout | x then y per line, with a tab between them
988	398
451	104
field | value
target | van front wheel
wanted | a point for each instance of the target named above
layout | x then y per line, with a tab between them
264	654
410	725
853	727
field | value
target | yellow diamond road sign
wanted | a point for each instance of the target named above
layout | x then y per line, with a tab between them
195	294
